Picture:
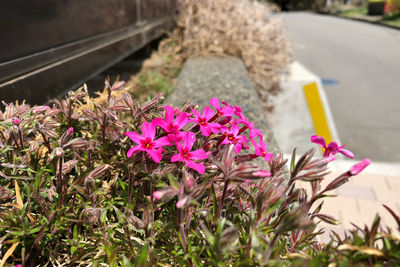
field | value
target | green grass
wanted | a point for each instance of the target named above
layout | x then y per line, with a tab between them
353	12
393	20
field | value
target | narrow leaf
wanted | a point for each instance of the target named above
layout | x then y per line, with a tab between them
8	254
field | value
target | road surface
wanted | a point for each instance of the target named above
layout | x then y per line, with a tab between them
365	61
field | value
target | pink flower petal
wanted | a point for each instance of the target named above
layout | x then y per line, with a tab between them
177	157
214	127
214	102
357	168
161	123
148	130
198	154
318	140
207	113
135	137
206	131
155	154
181	120
163	141
199	167
227	111
188	140
195	113
169	114
132	151
347	153
238	148
333	146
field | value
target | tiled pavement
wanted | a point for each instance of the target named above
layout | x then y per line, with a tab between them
359	200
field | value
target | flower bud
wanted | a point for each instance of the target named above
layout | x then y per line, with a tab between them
38	109
16	121
67	136
189	182
93	214
183	203
89	182
118	85
99	171
165	194
357	168
56	153
33	146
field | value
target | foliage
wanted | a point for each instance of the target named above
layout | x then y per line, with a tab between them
75	190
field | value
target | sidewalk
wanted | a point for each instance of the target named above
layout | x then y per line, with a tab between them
357	201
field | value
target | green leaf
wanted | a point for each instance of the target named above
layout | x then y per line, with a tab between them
34	230
126	262
75	233
293	161
172	181
37	181
73	249
143	257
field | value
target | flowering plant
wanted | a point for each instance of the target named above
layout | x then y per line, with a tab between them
120	183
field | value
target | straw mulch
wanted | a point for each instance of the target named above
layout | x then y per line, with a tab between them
242	28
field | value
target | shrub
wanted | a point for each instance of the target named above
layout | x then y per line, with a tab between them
109	182
242	28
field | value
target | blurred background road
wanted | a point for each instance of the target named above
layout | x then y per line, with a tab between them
360	63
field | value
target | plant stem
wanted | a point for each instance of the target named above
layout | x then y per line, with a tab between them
15	140
69	113
21	138
270	245
46	142
221	201
103	129
183	234
130	188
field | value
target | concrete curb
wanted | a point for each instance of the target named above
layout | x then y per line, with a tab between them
301	110
226	78
361	20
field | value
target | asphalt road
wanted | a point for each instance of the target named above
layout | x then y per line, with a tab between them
365	61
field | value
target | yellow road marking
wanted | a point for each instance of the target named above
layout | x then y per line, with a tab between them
317	111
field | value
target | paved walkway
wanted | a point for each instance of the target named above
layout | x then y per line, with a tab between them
359	200
362	197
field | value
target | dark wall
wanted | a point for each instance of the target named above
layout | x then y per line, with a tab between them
57	44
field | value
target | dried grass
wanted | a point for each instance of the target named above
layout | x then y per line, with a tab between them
242	28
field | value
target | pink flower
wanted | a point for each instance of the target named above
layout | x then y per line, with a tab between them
247	124
254	133
168	124
147	143
202	120
232	137
221	111
261	150
186	156
237	110
357	168
332	148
